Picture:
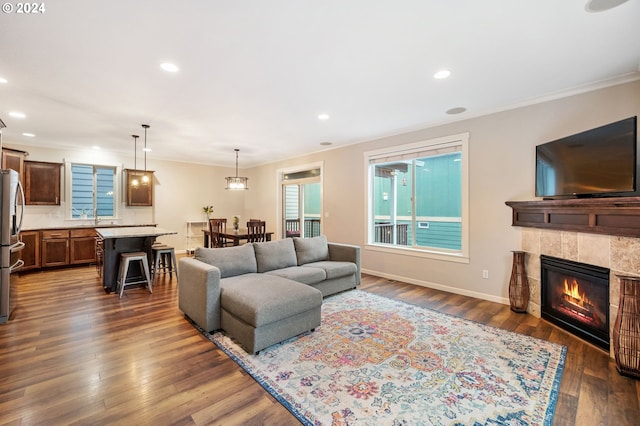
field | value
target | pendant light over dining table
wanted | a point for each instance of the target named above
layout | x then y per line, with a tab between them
237	182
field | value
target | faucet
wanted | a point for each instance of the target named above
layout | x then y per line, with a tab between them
97	220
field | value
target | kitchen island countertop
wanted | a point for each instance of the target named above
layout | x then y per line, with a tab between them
82	226
133	231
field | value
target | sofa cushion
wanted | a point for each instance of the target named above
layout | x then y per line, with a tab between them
231	261
301	274
311	249
259	299
334	269
277	254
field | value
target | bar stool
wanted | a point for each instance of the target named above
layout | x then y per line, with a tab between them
164	260
125	261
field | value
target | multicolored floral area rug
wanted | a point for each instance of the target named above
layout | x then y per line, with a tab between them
376	361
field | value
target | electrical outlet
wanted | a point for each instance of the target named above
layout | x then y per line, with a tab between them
485	273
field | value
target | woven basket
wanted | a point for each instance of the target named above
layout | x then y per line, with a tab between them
626	330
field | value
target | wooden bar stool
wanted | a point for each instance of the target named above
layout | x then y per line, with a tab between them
164	260
125	261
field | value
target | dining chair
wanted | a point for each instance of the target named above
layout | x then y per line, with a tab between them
256	231
218	227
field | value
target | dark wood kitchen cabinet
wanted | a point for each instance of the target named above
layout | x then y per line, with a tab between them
82	246
140	194
55	247
14	159
61	247
42	183
30	254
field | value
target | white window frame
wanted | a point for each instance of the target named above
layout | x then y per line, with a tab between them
460	256
69	185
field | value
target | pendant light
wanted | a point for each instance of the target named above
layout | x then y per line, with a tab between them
2	126
237	182
145	176
134	181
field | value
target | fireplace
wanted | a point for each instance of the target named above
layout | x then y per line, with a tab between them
575	296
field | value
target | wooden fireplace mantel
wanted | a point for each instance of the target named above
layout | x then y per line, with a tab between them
611	216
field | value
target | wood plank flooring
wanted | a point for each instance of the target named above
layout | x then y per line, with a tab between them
75	355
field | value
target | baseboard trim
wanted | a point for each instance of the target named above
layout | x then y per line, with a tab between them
436	286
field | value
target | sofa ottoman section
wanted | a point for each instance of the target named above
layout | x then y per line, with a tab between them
259	310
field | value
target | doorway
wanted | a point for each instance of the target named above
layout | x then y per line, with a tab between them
302	203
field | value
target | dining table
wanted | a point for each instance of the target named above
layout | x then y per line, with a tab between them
118	240
241	234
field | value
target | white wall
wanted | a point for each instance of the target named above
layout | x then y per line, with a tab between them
502	157
502	168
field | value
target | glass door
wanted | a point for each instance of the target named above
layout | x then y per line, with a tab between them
302	204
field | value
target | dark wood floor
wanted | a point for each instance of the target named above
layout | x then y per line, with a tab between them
75	355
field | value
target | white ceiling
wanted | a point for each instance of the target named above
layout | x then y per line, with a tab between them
255	74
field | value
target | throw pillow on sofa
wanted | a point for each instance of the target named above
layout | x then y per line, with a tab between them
311	250
273	255
231	261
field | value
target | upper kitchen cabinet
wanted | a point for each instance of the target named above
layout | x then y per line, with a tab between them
139	190
14	159
42	183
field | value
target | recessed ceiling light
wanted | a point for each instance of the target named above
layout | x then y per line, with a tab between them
29	135
3	80
323	117
326	143
602	5
96	147
442	74
456	110
169	67
17	114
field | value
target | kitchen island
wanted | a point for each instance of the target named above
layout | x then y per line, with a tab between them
124	240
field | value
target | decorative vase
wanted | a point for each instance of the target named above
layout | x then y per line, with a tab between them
626	330
519	284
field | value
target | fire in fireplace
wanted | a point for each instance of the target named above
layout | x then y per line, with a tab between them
575	296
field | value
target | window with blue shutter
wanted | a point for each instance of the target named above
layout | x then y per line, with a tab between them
92	191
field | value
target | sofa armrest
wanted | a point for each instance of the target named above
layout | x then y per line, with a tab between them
346	253
199	292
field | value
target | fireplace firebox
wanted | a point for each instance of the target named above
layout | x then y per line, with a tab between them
575	296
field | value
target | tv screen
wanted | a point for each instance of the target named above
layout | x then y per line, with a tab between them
599	162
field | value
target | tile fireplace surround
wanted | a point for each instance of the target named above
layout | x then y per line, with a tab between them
620	254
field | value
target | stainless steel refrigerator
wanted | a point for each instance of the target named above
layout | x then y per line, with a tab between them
11	213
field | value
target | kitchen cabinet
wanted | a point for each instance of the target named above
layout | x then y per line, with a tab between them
14	159
55	247
30	255
42	183
61	247
82	247
142	194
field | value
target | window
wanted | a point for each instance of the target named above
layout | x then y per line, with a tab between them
92	191
417	198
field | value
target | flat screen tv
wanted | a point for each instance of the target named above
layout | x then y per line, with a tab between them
600	162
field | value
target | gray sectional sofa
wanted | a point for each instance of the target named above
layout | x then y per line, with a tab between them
263	293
